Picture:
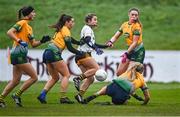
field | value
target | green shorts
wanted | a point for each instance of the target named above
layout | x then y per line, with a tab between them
19	55
52	54
138	54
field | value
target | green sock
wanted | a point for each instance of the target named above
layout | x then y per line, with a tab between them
62	94
18	93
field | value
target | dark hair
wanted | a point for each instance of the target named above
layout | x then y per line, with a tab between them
89	16
26	10
61	22
136	9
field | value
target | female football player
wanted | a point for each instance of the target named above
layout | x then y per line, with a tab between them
124	86
132	30
52	57
85	62
22	35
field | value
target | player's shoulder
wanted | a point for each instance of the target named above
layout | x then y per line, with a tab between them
21	22
125	23
86	27
137	24
65	29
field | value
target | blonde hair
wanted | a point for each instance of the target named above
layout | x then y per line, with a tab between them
133	68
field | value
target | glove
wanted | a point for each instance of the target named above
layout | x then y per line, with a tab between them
45	39
99	51
22	43
109	43
124	57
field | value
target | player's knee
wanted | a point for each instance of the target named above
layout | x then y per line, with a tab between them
67	75
14	83
34	79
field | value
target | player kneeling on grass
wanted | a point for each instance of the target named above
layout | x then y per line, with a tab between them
124	86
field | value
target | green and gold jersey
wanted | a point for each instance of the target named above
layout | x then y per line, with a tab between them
128	30
138	81
24	31
59	37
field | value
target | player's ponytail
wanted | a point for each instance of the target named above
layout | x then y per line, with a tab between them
61	22
19	14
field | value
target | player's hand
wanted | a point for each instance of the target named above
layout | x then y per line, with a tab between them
45	39
109	43
99	51
146	100
22	43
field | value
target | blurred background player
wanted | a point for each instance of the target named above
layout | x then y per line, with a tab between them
85	62
52	57
22	35
124	86
132	30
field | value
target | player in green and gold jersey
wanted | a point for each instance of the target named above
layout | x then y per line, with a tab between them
132	31
22	35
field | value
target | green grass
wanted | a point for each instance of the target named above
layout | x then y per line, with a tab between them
160	19
164	101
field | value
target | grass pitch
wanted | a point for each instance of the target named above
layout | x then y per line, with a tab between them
165	101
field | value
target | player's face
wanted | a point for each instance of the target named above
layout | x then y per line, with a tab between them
32	15
133	16
70	23
93	22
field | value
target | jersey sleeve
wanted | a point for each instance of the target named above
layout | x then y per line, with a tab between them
144	87
18	26
137	29
30	36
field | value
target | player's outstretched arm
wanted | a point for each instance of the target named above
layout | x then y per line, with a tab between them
146	95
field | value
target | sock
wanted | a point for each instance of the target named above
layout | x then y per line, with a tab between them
90	98
2	98
81	92
82	77
62	94
43	93
18	93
